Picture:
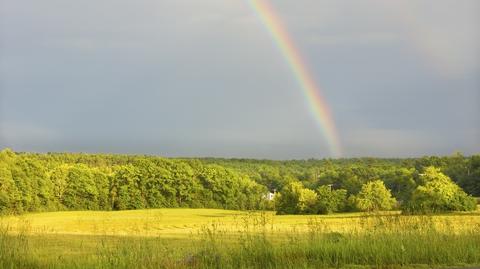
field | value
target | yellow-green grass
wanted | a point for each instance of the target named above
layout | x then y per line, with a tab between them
180	223
214	238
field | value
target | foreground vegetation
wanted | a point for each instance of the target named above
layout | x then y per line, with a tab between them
429	231
212	238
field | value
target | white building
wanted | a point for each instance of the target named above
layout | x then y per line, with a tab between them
270	196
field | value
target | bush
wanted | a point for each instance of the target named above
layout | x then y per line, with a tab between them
374	196
438	193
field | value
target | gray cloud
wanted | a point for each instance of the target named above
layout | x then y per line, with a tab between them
191	78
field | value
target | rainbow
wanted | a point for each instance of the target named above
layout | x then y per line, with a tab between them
317	104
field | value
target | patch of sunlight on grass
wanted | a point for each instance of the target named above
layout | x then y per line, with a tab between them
178	223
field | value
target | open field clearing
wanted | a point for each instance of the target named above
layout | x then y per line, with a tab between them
181	223
213	238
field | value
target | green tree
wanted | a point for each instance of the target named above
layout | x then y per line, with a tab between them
80	191
102	184
58	177
307	202
400	181
9	194
374	196
329	200
294	198
184	183
287	199
438	193
127	189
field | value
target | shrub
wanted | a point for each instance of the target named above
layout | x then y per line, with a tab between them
374	196
438	193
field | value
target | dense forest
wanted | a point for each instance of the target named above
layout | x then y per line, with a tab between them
78	181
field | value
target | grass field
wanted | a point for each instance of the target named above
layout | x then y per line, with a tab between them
213	238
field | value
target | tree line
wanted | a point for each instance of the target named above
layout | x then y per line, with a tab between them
78	181
37	182
434	193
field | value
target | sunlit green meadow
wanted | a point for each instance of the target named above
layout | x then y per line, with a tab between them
214	238
188	223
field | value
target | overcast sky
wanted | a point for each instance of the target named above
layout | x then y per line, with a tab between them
203	78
